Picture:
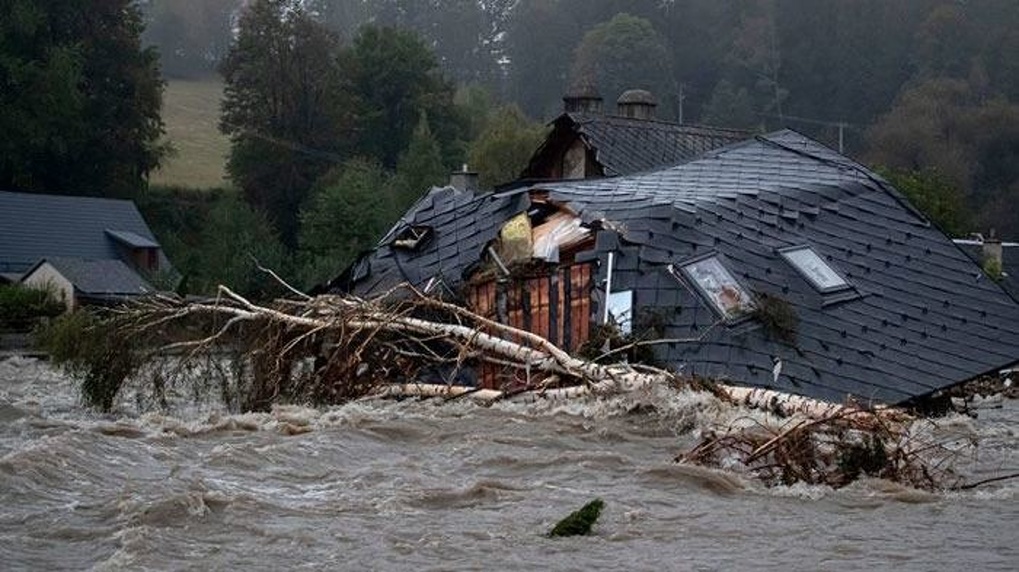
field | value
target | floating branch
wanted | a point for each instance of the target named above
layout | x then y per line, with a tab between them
580	522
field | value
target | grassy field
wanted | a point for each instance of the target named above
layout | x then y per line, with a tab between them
191	114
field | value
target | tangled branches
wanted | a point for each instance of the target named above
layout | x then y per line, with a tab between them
834	450
330	349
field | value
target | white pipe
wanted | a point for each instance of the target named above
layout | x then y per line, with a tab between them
608	289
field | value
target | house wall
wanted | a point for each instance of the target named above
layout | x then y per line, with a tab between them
47	277
554	305
575	161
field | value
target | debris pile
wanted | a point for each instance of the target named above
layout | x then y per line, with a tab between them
832	450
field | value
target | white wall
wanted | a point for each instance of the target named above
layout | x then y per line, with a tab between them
48	277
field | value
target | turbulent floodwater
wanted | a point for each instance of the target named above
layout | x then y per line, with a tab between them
416	486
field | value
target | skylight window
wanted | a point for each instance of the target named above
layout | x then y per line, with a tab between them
719	287
815	269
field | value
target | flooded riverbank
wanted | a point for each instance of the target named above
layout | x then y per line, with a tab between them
412	485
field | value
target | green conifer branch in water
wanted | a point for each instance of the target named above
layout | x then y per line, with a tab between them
580	522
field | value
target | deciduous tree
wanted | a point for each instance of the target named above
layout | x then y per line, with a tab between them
281	108
624	53
502	149
349	209
393	77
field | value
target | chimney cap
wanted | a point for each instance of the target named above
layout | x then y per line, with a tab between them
636	97
582	89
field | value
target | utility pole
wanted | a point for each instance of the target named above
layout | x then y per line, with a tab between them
679	102
842	128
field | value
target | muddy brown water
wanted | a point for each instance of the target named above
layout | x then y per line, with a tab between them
416	486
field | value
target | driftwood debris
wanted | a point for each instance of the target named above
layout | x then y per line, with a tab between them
832	450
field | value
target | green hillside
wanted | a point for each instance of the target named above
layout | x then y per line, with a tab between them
191	114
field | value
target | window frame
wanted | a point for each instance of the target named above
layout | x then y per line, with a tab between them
747	308
786	255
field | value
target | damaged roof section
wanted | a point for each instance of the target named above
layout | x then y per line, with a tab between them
887	308
624	145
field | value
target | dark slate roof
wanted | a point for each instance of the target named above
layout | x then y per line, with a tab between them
464	223
35	226
920	316
99	278
625	145
131	239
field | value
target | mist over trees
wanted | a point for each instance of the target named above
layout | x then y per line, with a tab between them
925	89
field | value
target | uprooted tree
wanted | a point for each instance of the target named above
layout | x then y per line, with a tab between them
331	349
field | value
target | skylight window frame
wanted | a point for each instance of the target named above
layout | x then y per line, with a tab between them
747	307
808	276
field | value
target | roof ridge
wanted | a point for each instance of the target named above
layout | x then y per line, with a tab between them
583	118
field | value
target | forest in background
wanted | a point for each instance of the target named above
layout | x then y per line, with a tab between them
340	113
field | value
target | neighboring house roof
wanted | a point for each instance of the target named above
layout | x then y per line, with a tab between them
98	278
132	239
624	146
34	226
1009	262
919	316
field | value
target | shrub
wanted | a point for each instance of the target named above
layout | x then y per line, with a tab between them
778	318
93	350
21	307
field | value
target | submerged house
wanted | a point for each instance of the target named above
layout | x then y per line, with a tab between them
89	250
772	262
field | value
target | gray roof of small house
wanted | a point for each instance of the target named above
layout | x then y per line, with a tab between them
920	316
35	226
624	145
98	278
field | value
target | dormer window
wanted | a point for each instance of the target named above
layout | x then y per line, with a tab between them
818	272
719	287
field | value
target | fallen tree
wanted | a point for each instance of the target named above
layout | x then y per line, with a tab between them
332	349
381	346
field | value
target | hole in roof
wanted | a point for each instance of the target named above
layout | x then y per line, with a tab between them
413	237
818	272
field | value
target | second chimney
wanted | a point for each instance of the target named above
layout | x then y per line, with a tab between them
636	104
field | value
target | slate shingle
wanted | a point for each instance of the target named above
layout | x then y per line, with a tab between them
918	316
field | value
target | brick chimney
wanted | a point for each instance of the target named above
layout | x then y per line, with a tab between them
991	254
464	180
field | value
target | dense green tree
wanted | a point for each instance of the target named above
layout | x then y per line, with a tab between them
942	202
281	108
236	239
502	149
79	98
971	141
729	107
349	209
393	78
420	167
624	53
214	237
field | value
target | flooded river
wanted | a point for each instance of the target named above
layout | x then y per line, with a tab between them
416	486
